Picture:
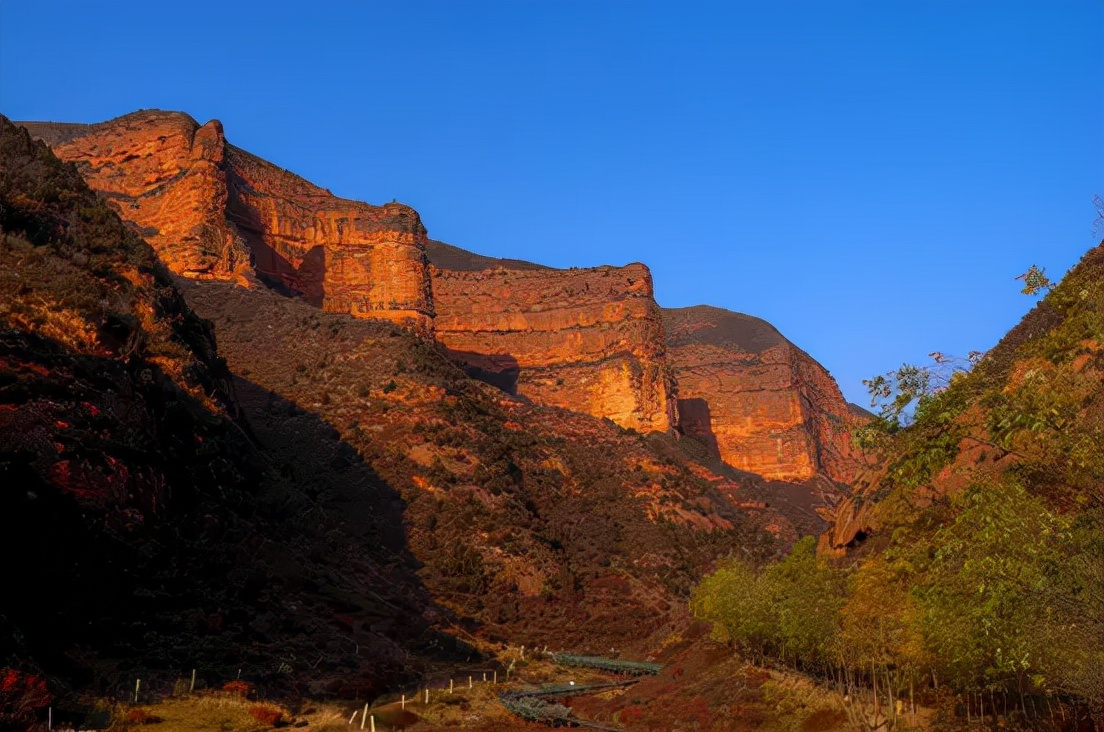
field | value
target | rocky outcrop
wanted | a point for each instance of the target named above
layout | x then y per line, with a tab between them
213	211
589	340
585	339
346	256
762	404
165	173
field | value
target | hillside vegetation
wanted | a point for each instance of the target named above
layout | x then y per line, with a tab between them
969	568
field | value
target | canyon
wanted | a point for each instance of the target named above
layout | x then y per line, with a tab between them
592	340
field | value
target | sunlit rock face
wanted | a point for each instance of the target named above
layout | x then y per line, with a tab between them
213	211
165	173
763	404
346	256
590	340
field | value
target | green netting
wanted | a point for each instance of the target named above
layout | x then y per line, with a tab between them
607	664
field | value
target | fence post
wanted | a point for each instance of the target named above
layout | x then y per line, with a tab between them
364	716
192	687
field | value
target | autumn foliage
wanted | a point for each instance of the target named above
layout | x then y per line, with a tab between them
237	687
266	714
21	696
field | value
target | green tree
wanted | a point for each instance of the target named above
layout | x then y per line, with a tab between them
732	599
807	596
987	586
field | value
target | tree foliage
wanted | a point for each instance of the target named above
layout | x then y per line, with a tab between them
989	575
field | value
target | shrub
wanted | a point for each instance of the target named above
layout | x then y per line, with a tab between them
140	716
266	714
238	687
21	696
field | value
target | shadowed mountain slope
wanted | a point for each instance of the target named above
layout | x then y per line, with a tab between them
146	525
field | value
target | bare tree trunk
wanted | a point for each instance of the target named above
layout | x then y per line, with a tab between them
874	686
890	698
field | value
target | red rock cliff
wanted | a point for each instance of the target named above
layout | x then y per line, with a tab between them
762	404
346	256
165	173
214	211
590	340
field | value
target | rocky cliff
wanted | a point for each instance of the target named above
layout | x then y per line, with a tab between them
585	339
762	404
589	340
165	173
213	211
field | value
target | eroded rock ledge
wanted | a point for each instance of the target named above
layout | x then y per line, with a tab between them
763	405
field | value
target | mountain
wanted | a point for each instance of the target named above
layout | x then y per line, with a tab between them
978	540
242	480
592	339
993	421
214	211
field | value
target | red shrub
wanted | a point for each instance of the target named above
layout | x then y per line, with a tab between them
238	687
266	715
140	716
629	714
21	695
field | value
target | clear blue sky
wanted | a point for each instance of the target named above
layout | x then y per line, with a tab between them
868	176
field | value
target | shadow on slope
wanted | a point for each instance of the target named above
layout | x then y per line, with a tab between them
534	525
155	530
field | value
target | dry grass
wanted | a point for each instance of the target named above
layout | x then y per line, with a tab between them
798	703
222	712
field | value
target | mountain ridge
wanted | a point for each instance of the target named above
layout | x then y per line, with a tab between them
589	339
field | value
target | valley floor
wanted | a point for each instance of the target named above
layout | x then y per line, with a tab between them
702	686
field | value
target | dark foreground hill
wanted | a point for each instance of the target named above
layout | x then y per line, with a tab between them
145	526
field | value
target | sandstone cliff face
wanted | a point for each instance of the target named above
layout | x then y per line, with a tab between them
761	403
163	172
346	256
585	339
589	340
212	211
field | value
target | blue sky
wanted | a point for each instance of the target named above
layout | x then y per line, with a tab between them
870	177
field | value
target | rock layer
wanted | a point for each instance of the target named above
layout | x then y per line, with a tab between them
165	173
764	405
585	339
589	340
213	211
